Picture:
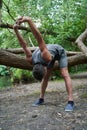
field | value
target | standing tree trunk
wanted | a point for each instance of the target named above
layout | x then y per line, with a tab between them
0	10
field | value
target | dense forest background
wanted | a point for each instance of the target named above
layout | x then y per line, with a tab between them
60	22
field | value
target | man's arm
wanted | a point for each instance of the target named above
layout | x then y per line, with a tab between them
44	51
44	82
23	43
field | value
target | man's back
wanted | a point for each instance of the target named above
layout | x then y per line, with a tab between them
54	49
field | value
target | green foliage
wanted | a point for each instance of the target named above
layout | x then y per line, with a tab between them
78	68
19	75
4	77
4	71
67	19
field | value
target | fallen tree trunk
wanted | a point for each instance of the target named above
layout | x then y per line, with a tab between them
13	60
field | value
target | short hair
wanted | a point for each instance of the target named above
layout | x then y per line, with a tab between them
38	71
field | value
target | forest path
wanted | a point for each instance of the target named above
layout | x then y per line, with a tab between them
17	113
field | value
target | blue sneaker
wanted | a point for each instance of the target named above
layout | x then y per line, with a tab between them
40	101
69	107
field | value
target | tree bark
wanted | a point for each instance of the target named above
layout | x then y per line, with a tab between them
13	60
9	26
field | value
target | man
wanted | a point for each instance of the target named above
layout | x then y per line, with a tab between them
43	60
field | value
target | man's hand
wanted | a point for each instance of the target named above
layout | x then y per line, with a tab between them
15	26
19	21
22	19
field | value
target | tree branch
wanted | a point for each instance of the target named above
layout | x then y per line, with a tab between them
0	11
1	3
2	25
80	44
20	51
6	25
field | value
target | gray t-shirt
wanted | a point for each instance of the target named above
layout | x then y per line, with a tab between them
56	52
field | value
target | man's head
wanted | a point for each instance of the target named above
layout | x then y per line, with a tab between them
38	71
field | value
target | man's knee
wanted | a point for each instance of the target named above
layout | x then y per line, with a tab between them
64	72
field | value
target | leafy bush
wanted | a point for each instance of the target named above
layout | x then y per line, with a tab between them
78	68
19	75
4	71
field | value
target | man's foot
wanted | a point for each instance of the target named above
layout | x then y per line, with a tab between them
40	101
69	106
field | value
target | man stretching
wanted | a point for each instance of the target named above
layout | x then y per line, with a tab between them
43	60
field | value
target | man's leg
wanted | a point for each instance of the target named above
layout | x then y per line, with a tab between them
44	84
68	83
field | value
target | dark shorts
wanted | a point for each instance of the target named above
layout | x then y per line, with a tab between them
63	60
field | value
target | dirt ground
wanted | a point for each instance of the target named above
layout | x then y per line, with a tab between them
17	113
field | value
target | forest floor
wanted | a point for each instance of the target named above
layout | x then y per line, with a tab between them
17	113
